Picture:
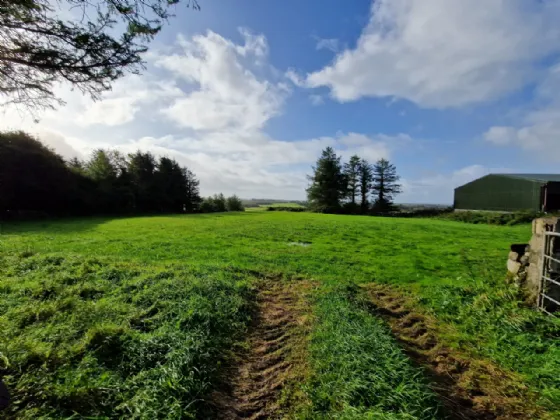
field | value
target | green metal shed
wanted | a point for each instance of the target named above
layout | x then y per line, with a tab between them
510	192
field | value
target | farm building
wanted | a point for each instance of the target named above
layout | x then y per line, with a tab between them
510	192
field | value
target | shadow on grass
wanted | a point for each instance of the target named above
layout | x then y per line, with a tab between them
84	224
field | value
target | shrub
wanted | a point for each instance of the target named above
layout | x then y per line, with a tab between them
234	203
492	218
293	209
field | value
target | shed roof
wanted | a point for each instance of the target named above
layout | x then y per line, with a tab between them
534	177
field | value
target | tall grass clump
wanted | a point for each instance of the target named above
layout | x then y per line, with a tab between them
358	369
87	337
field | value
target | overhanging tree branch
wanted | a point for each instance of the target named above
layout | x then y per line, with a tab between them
39	50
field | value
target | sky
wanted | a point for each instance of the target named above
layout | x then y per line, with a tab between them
247	93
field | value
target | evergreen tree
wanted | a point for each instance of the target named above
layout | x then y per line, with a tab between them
76	165
193	200
100	168
36	181
352	174
385	185
328	186
365	176
142	168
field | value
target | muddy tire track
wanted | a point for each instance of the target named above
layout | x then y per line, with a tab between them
272	359
468	388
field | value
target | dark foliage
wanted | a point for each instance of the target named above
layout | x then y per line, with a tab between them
385	185
335	187
328	183
352	174
234	203
35	182
492	218
292	209
39	49
219	204
366	178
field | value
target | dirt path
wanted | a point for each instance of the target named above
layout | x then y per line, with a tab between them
273	357
469	388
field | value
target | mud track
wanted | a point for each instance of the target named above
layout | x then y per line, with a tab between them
273	358
468	388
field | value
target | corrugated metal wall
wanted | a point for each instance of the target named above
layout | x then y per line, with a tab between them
500	193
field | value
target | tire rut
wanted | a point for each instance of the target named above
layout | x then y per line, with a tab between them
254	386
468	388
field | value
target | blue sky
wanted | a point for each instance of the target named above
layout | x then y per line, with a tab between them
247	93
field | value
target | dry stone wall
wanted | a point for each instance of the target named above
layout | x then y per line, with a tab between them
524	263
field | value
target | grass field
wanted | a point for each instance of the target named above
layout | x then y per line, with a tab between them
263	207
143	317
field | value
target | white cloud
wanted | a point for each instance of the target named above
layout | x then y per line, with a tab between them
439	188
331	44
539	129
219	95
295	78
316	100
227	94
58	143
124	101
444	53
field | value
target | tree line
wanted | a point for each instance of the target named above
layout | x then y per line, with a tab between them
35	181
353	187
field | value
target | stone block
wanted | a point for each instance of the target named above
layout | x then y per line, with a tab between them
514	256
513	266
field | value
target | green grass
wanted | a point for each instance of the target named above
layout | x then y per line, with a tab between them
55	274
89	336
355	361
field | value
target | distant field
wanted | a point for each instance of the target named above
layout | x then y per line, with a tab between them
262	207
148	317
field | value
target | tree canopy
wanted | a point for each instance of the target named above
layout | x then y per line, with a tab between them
328	183
335	186
95	46
35	181
385	185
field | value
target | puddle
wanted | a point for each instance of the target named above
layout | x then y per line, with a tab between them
304	244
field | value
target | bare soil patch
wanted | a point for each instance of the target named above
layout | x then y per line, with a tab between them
258	380
469	388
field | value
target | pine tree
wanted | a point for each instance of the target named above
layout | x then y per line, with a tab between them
365	176
352	173
385	185
100	167
328	186
142	169
192	199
